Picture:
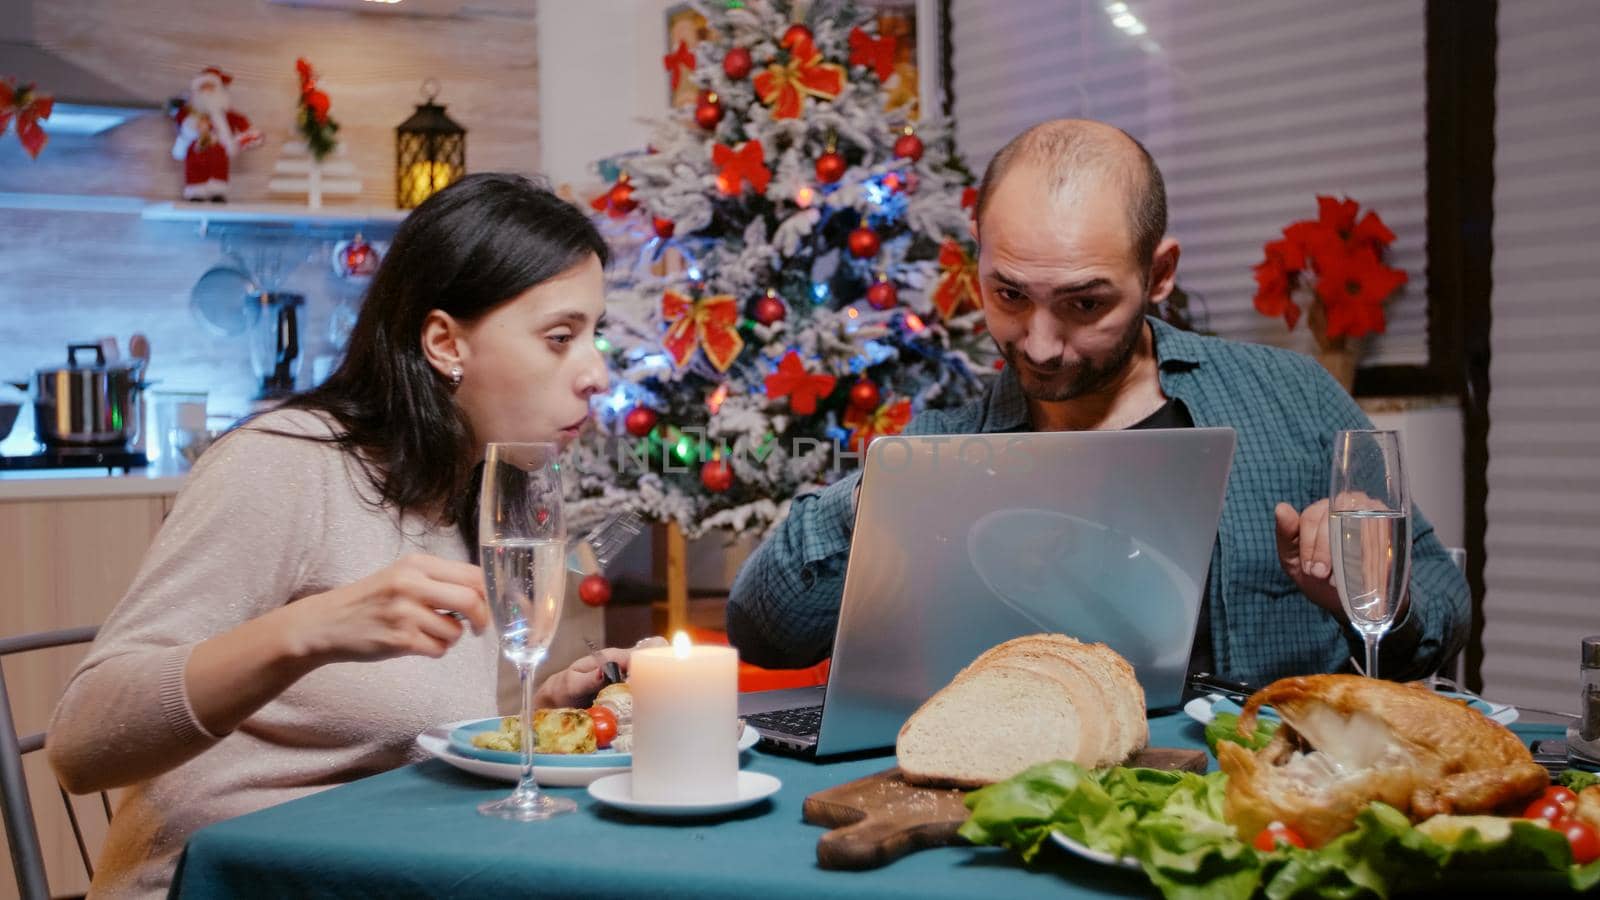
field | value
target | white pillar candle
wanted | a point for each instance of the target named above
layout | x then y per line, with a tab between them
685	715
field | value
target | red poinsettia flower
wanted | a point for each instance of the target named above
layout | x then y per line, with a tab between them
1353	288
1339	215
1272	291
304	68
1371	232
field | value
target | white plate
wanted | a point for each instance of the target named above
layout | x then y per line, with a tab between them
1202	709
617	791
436	741
1093	855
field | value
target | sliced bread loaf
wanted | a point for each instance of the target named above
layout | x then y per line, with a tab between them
1031	699
990	724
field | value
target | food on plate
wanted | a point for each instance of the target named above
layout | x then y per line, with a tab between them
555	731
1030	700
619	699
605	725
1347	740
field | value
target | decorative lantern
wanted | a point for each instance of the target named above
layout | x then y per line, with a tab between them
430	151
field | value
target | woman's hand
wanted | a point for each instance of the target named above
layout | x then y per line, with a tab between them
576	685
402	610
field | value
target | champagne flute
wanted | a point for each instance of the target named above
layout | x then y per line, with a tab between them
1370	532
523	551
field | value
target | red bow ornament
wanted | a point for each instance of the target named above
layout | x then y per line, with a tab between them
710	322
784	87
801	387
678	61
876	54
958	279
735	167
28	107
864	425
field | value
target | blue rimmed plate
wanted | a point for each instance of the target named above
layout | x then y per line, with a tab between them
1202	709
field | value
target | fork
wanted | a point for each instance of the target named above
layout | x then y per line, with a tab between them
613	674
595	550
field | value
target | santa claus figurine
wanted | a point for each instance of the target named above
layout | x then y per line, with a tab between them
210	133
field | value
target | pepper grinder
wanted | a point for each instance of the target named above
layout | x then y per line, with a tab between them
1583	737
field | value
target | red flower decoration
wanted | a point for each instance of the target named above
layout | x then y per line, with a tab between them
890	418
876	54
28	107
317	101
784	87
1338	259
736	167
801	387
678	61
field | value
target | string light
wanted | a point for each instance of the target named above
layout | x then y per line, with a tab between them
914	322
714	403
820	291
804	196
852	312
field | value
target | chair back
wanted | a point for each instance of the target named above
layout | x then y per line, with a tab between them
22	831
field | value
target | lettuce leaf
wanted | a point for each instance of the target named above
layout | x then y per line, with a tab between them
1224	726
1576	779
1173	824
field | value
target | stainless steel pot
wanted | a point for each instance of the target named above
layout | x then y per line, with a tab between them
88	404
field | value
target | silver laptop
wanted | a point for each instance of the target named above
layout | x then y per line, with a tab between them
962	542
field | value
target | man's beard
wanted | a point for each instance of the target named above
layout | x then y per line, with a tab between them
1068	382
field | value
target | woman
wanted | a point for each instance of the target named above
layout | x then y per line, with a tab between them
310	605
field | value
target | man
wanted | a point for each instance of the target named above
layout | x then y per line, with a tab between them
1070	224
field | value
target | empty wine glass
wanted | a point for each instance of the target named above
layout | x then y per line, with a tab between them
1369	532
523	551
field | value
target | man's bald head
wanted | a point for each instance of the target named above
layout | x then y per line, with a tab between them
1076	155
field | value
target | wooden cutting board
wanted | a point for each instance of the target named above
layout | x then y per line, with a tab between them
882	817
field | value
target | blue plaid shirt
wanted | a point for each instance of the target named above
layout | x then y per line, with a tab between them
1284	409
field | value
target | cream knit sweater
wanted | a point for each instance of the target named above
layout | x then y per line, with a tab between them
263	520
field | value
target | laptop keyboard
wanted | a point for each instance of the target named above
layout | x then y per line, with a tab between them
803	720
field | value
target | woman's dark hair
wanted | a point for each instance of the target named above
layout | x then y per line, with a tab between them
466	250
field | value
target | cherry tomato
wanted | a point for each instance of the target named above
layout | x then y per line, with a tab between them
1276	834
1545	808
1585	843
1563	796
605	726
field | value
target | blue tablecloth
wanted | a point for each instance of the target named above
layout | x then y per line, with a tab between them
416	832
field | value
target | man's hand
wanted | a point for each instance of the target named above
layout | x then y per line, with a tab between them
1305	554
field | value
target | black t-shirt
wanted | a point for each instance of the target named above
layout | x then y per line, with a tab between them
1173	414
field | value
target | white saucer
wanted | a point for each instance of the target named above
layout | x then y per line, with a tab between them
617	791
1093	855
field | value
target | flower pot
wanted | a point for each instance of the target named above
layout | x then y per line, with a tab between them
1340	361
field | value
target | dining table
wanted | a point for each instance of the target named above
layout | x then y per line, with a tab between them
416	832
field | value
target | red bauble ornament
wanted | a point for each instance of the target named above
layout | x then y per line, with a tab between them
882	294
864	395
717	476
831	166
708	113
639	421
622	201
909	146
794	34
663	227
737	64
864	243
770	309
594	590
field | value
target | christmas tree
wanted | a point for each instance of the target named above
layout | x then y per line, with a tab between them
794	274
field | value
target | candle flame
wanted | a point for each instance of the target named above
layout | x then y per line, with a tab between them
680	645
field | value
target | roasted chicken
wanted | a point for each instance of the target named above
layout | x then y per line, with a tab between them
1347	741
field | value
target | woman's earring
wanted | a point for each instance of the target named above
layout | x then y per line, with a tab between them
455	376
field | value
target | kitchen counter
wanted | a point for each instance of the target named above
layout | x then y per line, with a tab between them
89	484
